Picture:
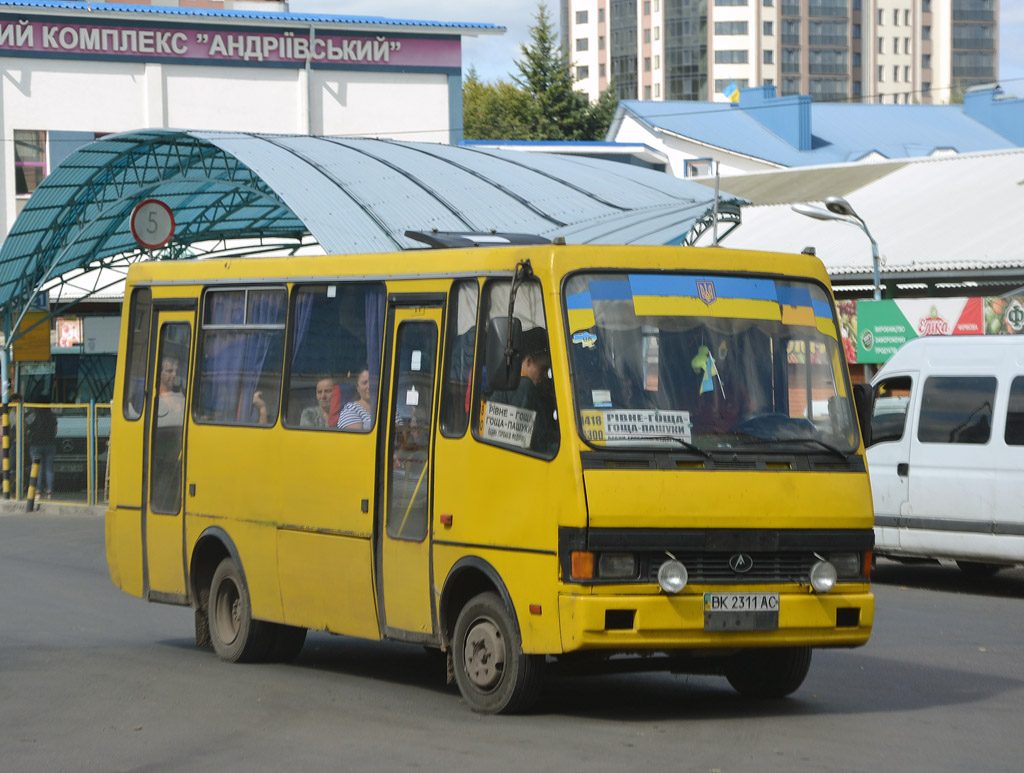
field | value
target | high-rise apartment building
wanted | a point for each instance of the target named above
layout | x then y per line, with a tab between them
889	51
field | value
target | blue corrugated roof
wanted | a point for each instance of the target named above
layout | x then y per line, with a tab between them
242	14
839	132
352	195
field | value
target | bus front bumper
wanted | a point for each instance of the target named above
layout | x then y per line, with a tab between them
842	618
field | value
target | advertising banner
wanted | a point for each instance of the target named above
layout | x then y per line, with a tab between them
881	327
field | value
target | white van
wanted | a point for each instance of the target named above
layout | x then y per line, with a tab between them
947	452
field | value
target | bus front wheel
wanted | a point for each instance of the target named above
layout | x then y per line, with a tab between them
768	673
236	636
493	673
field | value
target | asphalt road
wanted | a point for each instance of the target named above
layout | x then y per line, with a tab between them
94	680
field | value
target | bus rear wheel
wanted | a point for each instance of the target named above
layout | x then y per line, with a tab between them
237	637
493	673
769	673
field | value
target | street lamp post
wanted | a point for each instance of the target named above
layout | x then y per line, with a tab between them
838	208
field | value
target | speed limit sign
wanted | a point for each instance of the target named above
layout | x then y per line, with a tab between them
152	223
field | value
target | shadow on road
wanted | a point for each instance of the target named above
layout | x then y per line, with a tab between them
1007	583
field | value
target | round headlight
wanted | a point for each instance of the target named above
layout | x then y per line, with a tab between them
823	576
672	576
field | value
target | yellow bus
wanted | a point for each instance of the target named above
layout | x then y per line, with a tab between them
527	456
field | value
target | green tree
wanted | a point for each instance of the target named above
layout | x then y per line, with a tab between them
540	103
494	112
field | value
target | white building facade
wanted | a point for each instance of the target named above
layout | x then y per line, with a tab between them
883	51
73	73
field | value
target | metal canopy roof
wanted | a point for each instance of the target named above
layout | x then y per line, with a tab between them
347	195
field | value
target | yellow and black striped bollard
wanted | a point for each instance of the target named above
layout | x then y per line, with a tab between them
33	479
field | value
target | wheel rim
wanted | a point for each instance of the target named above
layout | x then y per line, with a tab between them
227	611
484	654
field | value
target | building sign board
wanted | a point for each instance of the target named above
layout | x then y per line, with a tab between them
212	45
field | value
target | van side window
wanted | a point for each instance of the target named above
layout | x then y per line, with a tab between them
889	409
335	341
1015	414
242	346
957	409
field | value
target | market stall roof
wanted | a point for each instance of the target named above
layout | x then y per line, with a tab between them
335	194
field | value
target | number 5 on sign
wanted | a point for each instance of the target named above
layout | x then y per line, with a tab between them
152	223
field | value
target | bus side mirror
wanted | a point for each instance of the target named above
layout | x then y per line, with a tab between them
503	363
863	397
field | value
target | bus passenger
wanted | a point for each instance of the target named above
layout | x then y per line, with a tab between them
319	414
535	391
356	414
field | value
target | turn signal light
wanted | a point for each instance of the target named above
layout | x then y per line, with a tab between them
582	565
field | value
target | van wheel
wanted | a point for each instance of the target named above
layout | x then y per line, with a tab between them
236	637
493	673
769	673
978	568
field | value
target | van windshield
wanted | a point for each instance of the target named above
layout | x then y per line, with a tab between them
712	361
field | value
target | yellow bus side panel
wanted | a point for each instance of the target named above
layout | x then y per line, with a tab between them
676	622
256	544
123	530
530	578
327	583
725	499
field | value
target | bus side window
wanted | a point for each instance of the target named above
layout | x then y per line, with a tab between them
335	337
139	315
242	345
457	383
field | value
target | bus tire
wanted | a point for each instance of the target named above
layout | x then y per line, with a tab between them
768	673
491	670
288	641
237	637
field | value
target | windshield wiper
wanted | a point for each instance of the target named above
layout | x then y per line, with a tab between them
684	443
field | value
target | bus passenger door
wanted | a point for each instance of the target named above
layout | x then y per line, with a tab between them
403	524
163	461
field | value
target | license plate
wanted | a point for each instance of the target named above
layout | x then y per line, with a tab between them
741	611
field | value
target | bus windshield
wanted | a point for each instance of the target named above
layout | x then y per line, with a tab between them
707	362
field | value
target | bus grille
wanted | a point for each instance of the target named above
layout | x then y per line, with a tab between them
714	567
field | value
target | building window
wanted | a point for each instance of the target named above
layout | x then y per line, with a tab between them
881	74
896	17
856	58
731	27
856	88
647	92
926	87
647	64
647	7
582	44
926	61
926	33
601	71
895	73
657	90
769	57
856	32
657	33
906	17
881	17
29	160
906	74
600	43
698	167
581	17
600	15
906	45
582	71
881	45
768	29
769	81
730	2
647	36
895	46
731	57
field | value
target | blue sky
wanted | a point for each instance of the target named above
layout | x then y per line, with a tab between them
494	55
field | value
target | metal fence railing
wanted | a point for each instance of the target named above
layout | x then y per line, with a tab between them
71	440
